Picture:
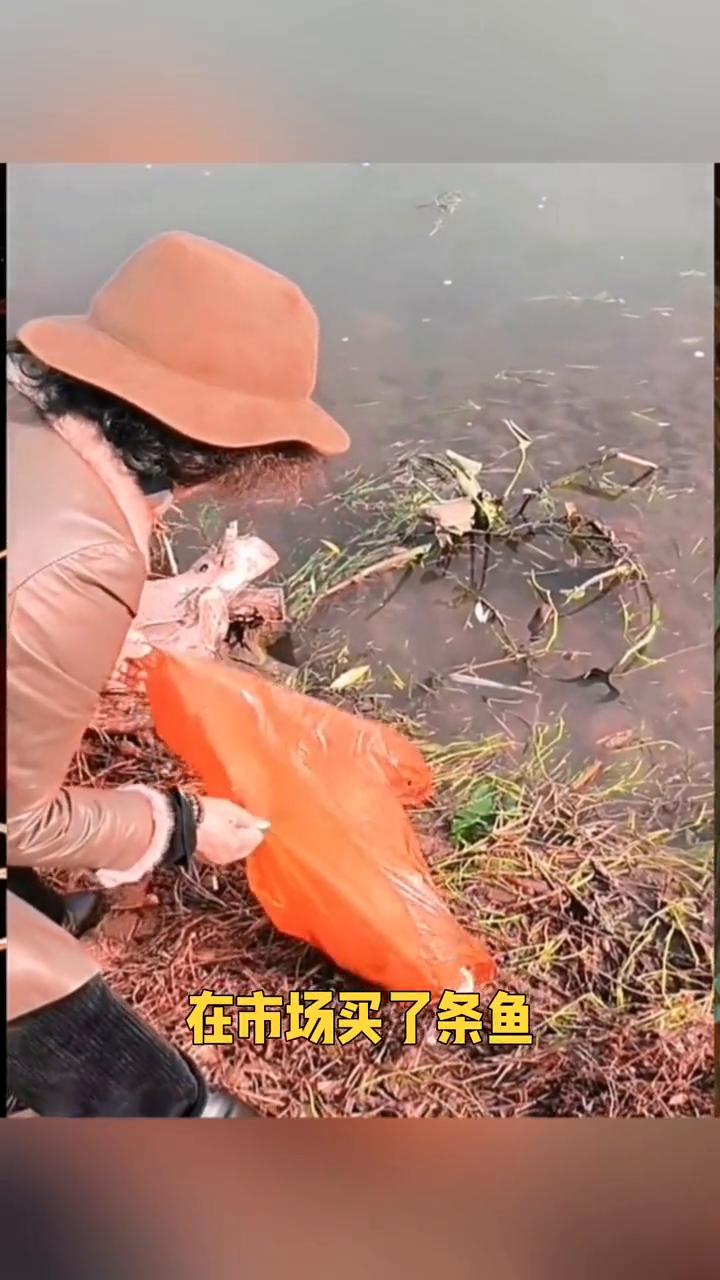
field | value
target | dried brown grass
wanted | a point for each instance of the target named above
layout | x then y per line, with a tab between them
590	907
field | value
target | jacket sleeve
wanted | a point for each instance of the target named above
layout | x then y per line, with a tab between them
66	629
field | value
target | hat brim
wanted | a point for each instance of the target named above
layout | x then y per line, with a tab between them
198	410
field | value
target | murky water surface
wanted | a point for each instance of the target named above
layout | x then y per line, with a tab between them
598	276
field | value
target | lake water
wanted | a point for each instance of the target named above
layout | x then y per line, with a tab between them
599	275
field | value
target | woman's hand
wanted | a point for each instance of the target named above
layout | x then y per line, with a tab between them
228	833
128	676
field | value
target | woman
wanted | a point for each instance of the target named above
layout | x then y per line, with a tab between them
194	364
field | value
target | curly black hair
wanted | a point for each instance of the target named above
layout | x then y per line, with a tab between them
158	457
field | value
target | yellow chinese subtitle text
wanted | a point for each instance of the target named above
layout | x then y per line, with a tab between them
327	1017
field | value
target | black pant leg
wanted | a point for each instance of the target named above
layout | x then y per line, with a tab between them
89	1054
27	884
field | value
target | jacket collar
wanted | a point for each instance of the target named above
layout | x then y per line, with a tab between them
87	441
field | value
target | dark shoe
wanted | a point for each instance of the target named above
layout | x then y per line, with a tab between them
83	911
220	1105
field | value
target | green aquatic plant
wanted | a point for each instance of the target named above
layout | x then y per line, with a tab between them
476	818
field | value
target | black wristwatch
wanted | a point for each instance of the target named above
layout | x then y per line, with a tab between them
187	815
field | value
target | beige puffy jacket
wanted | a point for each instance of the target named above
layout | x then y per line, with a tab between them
78	537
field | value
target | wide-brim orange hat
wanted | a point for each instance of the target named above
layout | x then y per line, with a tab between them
213	344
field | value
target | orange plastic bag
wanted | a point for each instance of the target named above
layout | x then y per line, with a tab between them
341	867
